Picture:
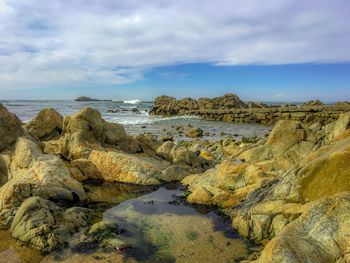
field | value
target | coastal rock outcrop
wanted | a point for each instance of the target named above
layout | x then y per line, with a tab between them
231	109
84	98
323	173
10	128
287	189
45	226
169	106
46	125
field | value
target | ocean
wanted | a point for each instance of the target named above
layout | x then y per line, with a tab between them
136	122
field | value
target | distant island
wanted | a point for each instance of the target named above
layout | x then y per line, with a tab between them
84	98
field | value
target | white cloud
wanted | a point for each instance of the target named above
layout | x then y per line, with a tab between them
93	42
278	95
4	8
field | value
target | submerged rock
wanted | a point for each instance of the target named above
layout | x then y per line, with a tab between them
46	226
195	133
46	125
10	128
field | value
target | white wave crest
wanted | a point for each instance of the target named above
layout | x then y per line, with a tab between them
131	101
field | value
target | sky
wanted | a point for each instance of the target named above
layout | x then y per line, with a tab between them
271	50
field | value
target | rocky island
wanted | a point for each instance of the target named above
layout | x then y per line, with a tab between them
286	194
84	98
232	109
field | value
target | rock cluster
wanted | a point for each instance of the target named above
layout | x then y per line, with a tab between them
289	191
45	164
169	106
231	109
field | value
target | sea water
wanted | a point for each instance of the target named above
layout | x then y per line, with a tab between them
136	122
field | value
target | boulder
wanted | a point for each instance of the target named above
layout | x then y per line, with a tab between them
342	124
46	226
10	128
37	174
148	143
128	168
81	132
326	171
320	234
174	173
83	169
86	130
226	185
288	143
165	150
195	133
113	133
46	125
183	156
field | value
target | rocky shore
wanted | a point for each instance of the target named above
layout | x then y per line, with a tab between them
288	192
231	109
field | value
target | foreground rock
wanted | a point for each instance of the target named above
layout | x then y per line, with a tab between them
46	226
292	188
320	234
86	130
10	128
46	125
33	173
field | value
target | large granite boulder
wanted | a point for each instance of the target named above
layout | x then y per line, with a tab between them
115	166
320	234
46	226
36	174
86	130
46	125
226	185
81	132
183	156
288	143
165	150
148	143
10	128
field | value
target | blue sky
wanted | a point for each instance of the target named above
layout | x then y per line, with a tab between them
273	50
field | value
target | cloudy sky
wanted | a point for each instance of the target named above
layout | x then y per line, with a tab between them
268	50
